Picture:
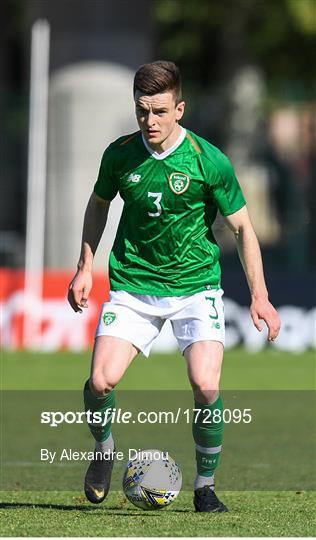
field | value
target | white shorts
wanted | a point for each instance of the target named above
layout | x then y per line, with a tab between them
139	318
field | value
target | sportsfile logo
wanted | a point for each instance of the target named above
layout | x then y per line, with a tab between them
134	178
119	416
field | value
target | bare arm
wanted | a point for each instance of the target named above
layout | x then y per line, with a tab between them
94	223
250	257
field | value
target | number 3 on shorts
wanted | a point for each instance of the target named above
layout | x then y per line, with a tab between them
213	313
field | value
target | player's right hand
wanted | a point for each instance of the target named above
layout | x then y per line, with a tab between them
79	290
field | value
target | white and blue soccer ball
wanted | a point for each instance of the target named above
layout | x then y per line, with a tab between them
152	480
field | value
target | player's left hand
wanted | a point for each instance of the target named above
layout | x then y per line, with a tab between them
262	309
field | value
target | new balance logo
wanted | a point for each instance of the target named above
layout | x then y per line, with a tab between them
134	178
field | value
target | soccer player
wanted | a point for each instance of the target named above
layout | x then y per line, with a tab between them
164	264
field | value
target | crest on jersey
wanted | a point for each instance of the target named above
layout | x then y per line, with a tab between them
108	317
179	182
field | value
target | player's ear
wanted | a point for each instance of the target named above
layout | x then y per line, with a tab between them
180	110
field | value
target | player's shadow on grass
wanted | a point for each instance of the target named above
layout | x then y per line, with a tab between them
119	511
9	505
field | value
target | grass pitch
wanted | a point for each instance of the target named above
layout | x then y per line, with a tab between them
255	513
69	514
267	370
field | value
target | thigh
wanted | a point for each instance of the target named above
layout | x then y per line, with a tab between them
111	357
204	363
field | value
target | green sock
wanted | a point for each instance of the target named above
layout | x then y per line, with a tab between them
207	429
99	404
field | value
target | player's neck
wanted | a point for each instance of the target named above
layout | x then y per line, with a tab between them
169	141
174	139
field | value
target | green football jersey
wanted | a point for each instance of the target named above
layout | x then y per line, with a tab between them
164	244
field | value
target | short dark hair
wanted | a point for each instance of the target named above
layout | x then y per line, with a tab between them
158	77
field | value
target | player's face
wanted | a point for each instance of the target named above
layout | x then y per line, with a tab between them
158	118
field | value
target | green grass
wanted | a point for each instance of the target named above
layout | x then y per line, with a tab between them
68	514
252	513
266	370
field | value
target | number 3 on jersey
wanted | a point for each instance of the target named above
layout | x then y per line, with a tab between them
157	197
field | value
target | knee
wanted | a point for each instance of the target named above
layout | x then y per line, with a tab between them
206	397
100	385
204	382
205	391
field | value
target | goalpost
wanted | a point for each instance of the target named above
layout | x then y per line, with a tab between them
36	184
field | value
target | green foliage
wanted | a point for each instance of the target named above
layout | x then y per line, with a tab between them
211	40
304	11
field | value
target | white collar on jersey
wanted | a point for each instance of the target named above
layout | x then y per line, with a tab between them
169	151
